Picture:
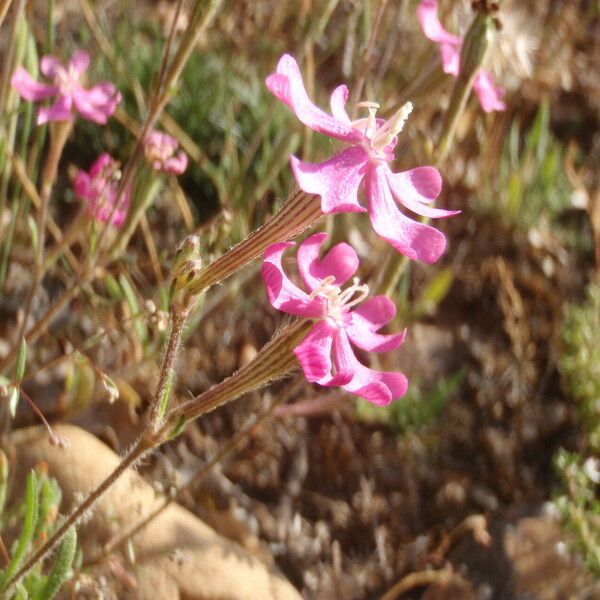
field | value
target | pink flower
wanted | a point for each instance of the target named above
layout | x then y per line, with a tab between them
450	46
98	189
159	149
95	104
338	324
338	179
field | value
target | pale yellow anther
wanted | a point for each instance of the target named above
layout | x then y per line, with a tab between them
392	127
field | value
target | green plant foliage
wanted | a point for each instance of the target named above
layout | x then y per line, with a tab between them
38	511
62	566
579	505
228	114
417	411
531	183
580	363
23	544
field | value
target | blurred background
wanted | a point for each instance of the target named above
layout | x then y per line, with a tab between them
483	481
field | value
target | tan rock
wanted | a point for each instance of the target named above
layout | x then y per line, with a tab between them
176	555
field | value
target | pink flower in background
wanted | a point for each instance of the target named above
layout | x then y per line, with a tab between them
338	179
160	151
95	104
340	322
98	189
490	96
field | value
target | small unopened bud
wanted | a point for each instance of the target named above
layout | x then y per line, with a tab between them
476	44
161	320
3	390
150	307
58	440
184	276
189	249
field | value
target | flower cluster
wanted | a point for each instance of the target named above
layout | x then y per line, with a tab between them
344	317
95	104
98	188
490	96
160	150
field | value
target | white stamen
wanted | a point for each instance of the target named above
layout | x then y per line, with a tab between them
392	127
338	302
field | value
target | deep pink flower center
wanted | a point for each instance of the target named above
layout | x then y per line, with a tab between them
338	302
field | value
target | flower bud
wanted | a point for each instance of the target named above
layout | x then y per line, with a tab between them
476	44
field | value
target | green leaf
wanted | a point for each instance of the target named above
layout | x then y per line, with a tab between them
13	401
21	360
177	429
31	514
434	293
112	287
3	480
166	393
33	230
62	567
134	308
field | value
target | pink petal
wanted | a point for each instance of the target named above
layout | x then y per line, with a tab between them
81	184
375	312
283	293
59	111
336	180
341	261
314	356
416	188
79	62
430	23
448	43
489	95
414	240
367	319
103	161
50	66
30	89
378	387
97	103
338	104
103	207
450	54
177	164
287	85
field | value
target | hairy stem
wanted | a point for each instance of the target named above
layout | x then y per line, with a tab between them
242	435
160	401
